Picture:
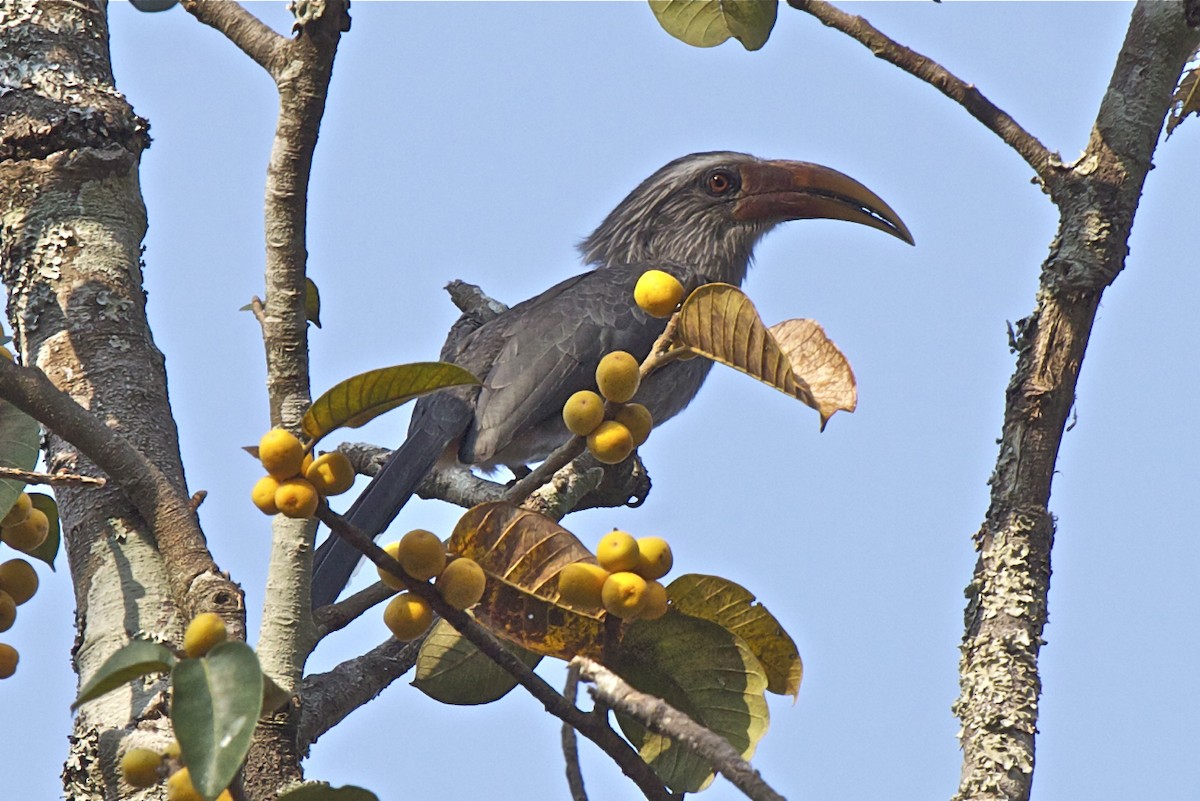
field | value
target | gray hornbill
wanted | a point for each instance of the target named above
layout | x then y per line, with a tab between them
698	217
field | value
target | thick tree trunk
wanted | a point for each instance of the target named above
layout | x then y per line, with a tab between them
70	257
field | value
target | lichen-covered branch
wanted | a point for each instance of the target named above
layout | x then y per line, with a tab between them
1006	611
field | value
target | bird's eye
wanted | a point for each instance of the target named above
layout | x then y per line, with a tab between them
720	182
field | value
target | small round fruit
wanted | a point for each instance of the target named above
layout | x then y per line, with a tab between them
391	549
462	583
617	551
624	594
407	616
206	630
331	473
5	353
654	558
173	751
263	495
29	533
8	660
19	511
654	605
297	498
582	412
180	787
657	293
617	376
18	579
281	453
8	611
140	767
580	584
637	419
611	442
421	554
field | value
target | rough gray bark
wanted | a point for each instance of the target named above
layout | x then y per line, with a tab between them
70	249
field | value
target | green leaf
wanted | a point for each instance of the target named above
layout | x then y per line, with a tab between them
48	550
321	791
732	606
20	437
215	703
361	398
312	302
131	661
708	23
452	670
702	670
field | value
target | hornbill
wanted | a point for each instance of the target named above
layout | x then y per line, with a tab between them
699	218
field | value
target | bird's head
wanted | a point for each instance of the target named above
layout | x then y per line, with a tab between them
708	211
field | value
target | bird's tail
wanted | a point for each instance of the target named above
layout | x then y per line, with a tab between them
380	502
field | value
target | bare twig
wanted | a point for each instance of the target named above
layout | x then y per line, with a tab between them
630	763
926	69
32	477
660	717
341	614
561	457
252	36
569	746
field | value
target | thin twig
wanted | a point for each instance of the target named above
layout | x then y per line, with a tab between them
630	763
32	477
926	69
561	457
250	34
341	614
660	717
569	745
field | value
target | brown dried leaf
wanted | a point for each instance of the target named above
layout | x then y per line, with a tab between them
1187	97
522	552
818	364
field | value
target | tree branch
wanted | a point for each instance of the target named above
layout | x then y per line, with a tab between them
926	69
598	731
569	746
662	718
250	34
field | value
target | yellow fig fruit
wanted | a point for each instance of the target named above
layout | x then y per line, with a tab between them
658	293
617	376
421	554
623	594
180	787
19	511
462	583
29	533
206	630
281	453
297	498
617	551
582	412
654	558
580	584
140	767
263	494
8	660
18	579
407	616
610	443
637	419
331	473
654	605
8	611
392	549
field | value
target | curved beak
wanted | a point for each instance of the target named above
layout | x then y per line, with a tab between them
798	190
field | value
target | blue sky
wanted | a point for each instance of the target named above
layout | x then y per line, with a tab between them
482	141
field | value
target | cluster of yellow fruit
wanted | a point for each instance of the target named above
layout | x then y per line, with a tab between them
460	581
296	482
145	767
618	377
625	583
24	528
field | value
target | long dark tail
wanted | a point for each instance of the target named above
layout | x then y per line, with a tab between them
384	497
